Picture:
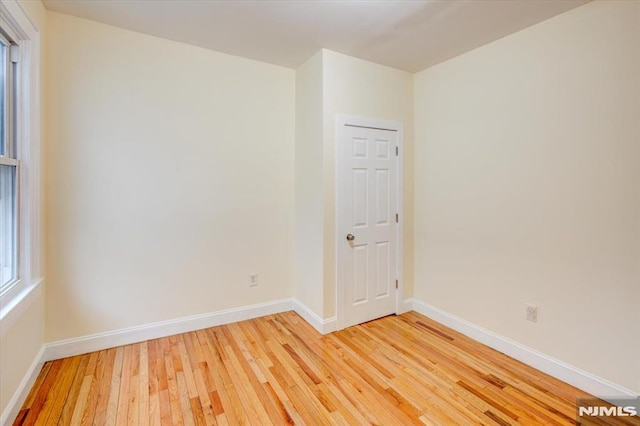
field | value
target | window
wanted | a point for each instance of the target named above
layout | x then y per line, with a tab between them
9	166
20	218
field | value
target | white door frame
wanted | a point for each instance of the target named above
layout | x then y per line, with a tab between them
342	121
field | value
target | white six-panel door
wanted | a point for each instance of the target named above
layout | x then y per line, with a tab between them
367	224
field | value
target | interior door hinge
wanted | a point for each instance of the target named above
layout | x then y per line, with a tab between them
397	151
396	283
397	218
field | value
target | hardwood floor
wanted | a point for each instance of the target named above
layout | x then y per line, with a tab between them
398	370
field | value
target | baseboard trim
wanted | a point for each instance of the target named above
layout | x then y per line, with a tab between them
20	395
577	377
127	336
405	306
323	326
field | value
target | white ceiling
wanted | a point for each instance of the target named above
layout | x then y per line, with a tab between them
409	35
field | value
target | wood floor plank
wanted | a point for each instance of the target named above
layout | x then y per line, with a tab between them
105	388
37	385
221	398
185	401
165	408
172	387
132	411
123	393
73	395
155	409
83	397
230	401
250	400
143	385
111	412
54	404
397	370
42	393
204	398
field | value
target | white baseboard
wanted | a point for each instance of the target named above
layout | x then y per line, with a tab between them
127	336
405	306
581	379
324	326
20	395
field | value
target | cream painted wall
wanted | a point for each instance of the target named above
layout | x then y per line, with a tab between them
308	264
356	87
527	166
18	349
20	344
326	85
170	179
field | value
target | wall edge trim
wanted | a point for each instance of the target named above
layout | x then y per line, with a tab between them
561	370
323	326
126	336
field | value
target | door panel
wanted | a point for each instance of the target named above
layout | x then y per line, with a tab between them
360	269
359	148
382	274
367	266
382	196
360	195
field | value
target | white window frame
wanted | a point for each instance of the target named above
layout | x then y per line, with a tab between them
10	158
19	27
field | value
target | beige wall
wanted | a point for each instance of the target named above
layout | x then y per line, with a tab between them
21	342
526	188
356	87
308	264
170	179
18	349
329	84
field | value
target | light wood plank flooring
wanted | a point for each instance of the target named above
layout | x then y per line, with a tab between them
398	370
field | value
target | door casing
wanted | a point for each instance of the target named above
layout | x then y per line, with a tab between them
342	121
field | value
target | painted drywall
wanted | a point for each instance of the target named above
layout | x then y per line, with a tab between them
329	84
22	340
18	349
355	87
308	263
169	180
527	166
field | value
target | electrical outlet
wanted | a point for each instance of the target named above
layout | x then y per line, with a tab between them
253	280
532	313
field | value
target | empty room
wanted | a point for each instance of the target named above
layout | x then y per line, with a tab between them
320	212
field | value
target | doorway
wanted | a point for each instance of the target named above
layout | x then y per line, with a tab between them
368	219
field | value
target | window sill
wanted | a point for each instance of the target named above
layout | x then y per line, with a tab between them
12	309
